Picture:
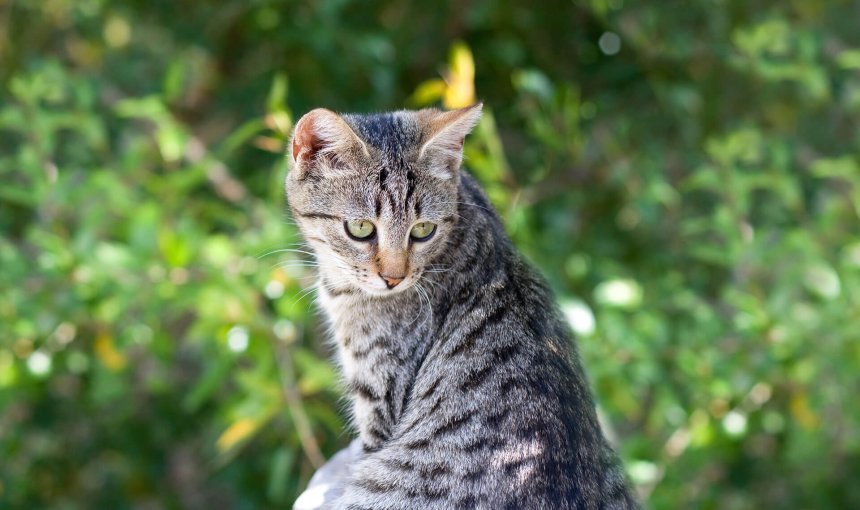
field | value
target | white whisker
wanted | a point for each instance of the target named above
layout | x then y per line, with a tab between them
417	314
436	285
423	292
287	250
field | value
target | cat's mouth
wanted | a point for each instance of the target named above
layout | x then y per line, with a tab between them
387	285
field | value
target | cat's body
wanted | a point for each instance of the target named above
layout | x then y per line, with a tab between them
467	389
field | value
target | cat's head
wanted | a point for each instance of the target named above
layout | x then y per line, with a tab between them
376	195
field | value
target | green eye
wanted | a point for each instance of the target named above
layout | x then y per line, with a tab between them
359	229
422	231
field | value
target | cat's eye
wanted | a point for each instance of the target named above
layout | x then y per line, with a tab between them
422	231
361	230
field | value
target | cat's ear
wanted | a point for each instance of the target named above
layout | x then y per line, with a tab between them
444	136
320	140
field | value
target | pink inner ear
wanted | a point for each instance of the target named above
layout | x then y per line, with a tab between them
296	147
305	141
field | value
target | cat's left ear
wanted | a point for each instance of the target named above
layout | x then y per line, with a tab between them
322	138
444	136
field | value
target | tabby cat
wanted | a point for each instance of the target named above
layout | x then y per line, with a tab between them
466	389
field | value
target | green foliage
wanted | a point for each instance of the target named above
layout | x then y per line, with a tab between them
694	198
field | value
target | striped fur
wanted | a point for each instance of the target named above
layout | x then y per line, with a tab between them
467	390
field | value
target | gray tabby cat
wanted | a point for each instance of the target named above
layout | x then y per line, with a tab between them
466	389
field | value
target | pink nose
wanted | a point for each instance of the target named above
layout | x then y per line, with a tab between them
391	281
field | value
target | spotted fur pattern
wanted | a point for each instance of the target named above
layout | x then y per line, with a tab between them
467	391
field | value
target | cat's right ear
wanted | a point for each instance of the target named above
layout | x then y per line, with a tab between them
445	133
320	141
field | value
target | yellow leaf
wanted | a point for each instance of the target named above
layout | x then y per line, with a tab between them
460	78
799	407
267	143
457	90
429	92
107	352
236	433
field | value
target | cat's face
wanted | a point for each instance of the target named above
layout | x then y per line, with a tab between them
376	196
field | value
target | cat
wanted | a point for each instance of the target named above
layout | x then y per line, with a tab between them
465	385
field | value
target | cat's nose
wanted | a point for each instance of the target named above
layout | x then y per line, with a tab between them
391	281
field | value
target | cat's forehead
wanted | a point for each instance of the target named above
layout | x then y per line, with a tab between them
394	133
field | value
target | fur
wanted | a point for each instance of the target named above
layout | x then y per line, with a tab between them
466	387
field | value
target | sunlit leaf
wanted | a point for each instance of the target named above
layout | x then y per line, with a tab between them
238	431
849	59
277	100
460	78
429	92
106	351
802	412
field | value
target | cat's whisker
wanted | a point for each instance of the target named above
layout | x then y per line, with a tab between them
299	243
287	265
303	295
341	264
310	290
298	262
418	313
335	285
295	258
333	282
316	287
429	304
286	250
436	285
417	289
423	292
435	268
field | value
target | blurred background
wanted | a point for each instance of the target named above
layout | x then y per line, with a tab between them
686	175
